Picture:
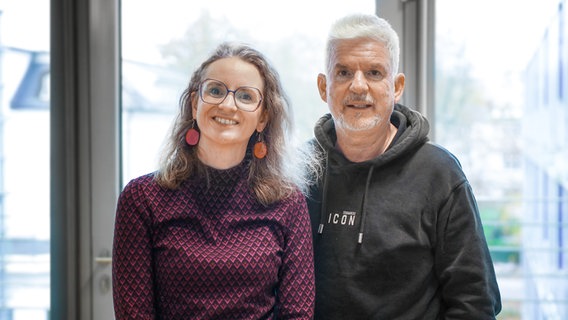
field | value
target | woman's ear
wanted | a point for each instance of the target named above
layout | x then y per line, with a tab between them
193	98
262	121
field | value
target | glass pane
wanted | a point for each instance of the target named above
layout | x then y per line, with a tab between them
158	58
24	159
502	108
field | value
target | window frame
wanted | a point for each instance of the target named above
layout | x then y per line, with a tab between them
415	21
84	155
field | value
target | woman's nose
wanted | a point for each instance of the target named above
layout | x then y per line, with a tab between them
229	102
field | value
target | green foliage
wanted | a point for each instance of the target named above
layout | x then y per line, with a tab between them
502	231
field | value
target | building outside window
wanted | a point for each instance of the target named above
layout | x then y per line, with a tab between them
24	160
501	108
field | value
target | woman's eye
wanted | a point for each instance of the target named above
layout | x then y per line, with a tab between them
245	97
215	91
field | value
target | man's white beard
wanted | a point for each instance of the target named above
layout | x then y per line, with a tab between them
357	124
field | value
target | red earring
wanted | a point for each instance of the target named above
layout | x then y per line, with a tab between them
260	148
192	135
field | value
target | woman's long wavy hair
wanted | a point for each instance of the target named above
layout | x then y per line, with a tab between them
271	178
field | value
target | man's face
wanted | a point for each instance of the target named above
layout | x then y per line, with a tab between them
360	89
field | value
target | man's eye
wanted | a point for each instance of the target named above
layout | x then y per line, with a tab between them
343	74
375	74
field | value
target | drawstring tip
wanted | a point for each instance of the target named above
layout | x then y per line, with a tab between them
360	238
320	229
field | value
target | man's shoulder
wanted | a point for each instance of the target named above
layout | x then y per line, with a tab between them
438	153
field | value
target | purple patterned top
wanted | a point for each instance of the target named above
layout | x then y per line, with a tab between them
212	252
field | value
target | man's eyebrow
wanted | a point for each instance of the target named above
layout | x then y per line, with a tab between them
380	66
339	66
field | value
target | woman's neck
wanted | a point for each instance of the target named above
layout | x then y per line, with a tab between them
220	157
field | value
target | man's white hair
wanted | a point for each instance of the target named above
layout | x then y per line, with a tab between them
364	26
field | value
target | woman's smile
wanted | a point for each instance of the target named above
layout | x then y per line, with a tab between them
225	121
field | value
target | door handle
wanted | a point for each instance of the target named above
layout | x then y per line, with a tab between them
104	258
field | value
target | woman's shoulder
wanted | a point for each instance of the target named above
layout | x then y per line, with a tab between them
295	202
144	182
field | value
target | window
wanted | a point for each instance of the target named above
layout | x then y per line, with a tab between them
157	62
506	104
499	86
24	160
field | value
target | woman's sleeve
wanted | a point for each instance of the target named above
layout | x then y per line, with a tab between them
296	293
132	279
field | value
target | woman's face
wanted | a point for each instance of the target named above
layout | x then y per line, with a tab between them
224	126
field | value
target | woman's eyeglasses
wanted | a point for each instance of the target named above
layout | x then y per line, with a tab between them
215	92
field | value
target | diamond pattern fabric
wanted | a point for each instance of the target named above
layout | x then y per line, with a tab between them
209	250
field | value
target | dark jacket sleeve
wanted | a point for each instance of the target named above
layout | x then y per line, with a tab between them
464	266
131	259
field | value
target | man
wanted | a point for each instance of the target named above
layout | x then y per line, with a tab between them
397	233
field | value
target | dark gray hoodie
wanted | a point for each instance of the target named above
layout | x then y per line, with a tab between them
399	236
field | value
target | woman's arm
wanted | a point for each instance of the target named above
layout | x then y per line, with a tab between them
131	258
296	293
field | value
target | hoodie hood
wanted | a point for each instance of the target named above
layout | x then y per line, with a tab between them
412	127
412	132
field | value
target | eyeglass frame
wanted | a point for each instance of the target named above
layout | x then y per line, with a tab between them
227	94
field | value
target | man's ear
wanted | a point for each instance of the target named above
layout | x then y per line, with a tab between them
398	87
322	86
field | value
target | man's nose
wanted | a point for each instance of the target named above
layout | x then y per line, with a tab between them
359	83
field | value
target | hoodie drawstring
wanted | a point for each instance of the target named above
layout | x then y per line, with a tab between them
363	201
324	196
364	205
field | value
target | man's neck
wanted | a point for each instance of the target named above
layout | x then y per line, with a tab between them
360	146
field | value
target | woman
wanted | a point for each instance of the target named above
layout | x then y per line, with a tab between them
221	230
